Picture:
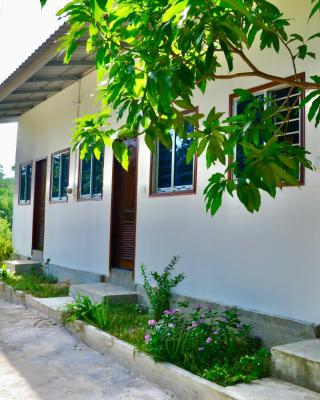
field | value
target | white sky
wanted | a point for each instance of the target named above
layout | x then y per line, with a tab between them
23	28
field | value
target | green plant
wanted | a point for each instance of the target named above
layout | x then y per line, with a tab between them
3	272
6	248
158	287
208	343
35	284
247	369
128	322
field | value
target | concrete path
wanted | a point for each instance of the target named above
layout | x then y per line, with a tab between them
39	360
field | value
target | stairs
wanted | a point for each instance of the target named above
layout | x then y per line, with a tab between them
298	363
105	293
23	266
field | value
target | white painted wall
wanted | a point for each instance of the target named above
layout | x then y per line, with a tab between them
266	262
269	261
76	232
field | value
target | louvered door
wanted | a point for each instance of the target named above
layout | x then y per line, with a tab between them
124	201
39	205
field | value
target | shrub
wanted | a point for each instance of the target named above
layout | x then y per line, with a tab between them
6	248
208	343
158	287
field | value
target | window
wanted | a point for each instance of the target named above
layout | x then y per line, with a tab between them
59	176
171	173
25	183
91	177
293	129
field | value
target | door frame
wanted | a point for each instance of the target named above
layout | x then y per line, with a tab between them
112	207
33	193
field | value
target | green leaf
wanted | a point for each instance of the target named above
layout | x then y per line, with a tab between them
43	2
235	5
174	10
192	149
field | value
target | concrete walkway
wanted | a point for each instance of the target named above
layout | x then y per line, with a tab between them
39	360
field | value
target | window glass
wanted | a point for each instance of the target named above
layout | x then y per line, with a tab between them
25	183
91	177
172	171
164	167
55	182
64	174
59	176
28	182
292	132
97	176
183	172
85	176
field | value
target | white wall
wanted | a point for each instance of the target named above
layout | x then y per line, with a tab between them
72	228
269	261
266	262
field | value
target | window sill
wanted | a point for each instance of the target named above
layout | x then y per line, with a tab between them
89	198
24	203
173	193
54	201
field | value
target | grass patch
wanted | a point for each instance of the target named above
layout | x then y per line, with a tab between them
37	285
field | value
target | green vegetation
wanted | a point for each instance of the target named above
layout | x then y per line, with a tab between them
6	198
37	285
6	210
158	287
127	322
208	343
6	248
151	57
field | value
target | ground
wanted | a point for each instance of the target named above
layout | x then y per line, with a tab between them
40	360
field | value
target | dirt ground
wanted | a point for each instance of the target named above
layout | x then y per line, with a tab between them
39	360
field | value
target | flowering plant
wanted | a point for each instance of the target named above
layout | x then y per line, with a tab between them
202	340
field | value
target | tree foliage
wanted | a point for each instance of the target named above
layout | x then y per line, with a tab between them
151	57
6	197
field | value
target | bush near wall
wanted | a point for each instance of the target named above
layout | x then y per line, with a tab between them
6	248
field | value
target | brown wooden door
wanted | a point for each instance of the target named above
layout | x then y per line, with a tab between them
124	205
39	205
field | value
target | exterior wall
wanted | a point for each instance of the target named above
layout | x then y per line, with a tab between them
266	262
72	228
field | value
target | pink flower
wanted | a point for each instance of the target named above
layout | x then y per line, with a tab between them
209	340
152	322
147	338
194	324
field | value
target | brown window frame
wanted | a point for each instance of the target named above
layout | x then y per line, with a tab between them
264	88
55	200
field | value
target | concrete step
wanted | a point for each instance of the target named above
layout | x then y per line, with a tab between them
298	363
105	293
23	266
270	389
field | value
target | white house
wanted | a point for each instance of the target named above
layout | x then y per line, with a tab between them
90	220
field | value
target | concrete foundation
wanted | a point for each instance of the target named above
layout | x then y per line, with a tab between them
23	266
72	275
273	330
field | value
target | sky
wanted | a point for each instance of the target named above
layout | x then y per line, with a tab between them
23	28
